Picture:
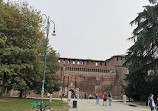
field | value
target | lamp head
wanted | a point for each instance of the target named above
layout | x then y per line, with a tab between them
54	34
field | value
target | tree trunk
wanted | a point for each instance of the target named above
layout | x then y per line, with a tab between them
2	90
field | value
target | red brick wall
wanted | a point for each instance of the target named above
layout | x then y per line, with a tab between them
90	78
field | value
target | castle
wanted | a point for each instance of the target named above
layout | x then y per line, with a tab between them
86	76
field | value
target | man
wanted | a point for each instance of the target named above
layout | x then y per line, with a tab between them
105	97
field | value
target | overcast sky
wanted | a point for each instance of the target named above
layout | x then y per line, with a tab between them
90	29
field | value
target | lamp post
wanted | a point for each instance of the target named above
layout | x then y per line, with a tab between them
63	84
45	53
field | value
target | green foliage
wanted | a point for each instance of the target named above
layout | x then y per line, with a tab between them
15	104
142	57
22	45
153	1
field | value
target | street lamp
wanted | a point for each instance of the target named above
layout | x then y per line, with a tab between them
45	53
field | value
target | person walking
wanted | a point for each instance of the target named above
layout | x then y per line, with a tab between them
110	99
151	103
97	98
157	103
105	97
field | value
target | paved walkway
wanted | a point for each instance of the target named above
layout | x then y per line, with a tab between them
90	105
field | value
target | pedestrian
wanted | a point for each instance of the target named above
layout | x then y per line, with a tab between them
97	98
157	103
151	103
105	97
110	99
121	97
85	96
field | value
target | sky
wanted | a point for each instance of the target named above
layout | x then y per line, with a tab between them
90	29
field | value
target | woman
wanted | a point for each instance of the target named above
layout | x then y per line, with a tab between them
110	99
151	103
105	97
97	98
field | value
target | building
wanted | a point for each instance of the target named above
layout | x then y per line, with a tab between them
86	76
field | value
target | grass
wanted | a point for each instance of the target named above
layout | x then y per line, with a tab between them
142	103
16	104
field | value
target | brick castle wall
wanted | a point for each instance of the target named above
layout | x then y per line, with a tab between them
86	76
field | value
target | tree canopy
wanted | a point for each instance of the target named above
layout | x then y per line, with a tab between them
142	57
22	44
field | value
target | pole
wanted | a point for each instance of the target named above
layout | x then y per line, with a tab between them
61	71
45	56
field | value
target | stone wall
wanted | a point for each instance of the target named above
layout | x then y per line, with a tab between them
86	76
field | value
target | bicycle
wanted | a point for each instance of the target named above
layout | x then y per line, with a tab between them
36	107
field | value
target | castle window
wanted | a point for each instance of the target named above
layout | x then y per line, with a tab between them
73	62
78	62
96	64
68	61
58	61
100	63
105	63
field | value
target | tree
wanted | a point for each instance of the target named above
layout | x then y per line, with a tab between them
51	80
142	56
22	48
153	1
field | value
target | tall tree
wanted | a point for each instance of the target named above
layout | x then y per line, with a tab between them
142	56
21	51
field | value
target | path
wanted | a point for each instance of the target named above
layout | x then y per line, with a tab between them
90	105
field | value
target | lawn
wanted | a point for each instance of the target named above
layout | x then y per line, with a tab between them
142	103
16	104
